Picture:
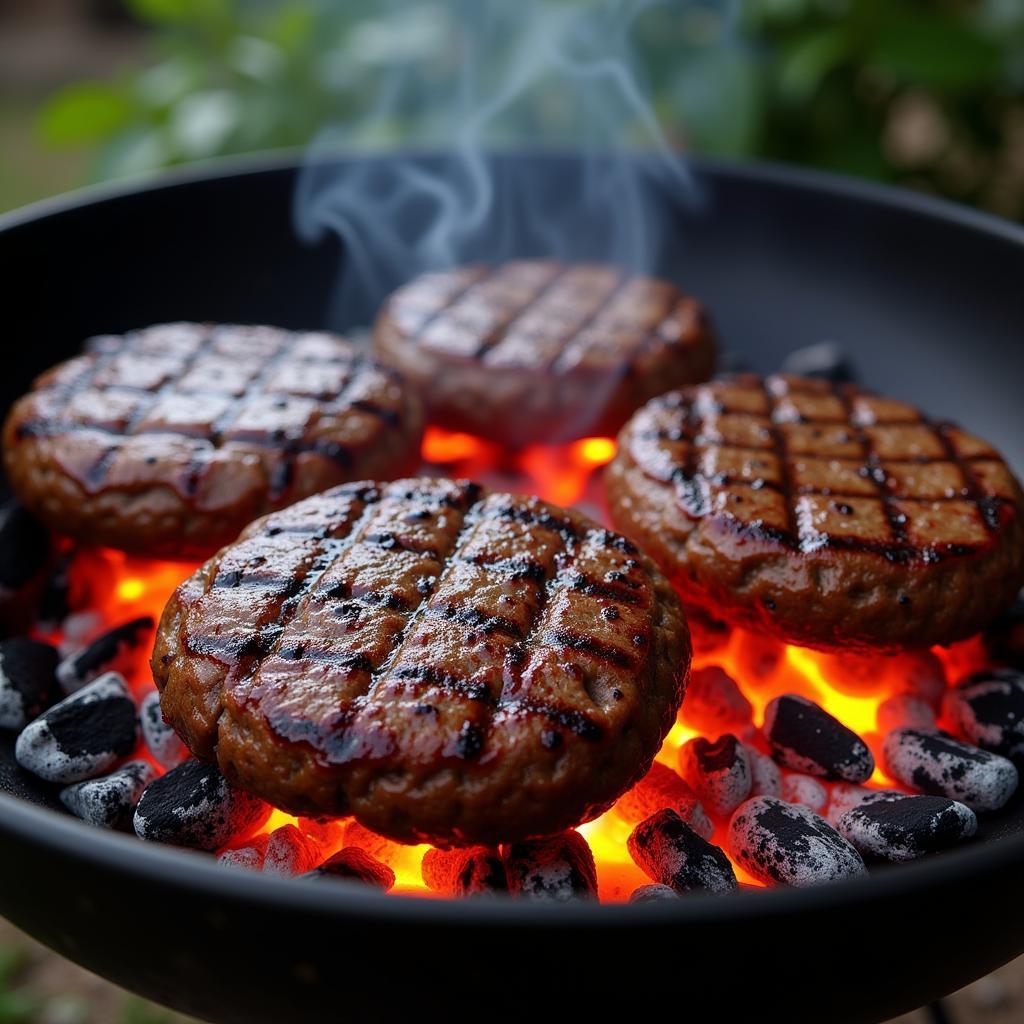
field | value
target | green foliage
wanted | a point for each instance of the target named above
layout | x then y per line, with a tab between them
16	1006
922	91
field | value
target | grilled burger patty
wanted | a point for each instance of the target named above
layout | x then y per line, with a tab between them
168	440
820	514
446	664
536	351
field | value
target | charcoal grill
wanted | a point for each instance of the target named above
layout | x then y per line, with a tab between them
927	299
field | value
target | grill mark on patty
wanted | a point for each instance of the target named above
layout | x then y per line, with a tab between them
302	589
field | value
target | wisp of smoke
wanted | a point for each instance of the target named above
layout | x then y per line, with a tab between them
471	83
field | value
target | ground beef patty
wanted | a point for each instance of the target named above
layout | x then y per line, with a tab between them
168	440
820	514
539	352
446	664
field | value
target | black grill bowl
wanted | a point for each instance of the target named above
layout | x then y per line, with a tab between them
927	298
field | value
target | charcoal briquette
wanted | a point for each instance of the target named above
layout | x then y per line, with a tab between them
289	852
845	796
714	703
901	828
905	711
1005	637
779	842
83	735
472	871
662	787
719	772
114	650
163	742
193	805
355	865
110	800
247	855
654	893
987	709
25	552
28	680
559	868
806	738
938	764
765	775
55	602
806	791
668	851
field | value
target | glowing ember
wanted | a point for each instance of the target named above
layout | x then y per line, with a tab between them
116	588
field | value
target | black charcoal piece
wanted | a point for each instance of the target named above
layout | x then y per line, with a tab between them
110	800
936	763
355	865
193	805
163	742
83	736
845	796
719	772
714	703
560	868
779	842
826	360
111	651
1005	637
662	787
987	709
806	791
905	711
667	850
28	680
655	893
765	776
55	603
249	855
806	738
24	547
902	828
474	871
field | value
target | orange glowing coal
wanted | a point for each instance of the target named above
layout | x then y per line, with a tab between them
117	588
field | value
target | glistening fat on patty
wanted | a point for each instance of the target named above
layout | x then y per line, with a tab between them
447	665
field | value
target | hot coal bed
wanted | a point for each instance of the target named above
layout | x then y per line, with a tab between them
785	767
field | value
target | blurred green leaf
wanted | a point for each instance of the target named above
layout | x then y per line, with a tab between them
808	59
89	112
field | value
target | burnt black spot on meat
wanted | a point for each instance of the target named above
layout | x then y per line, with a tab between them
433	676
485	623
470	741
550	739
585	584
589	645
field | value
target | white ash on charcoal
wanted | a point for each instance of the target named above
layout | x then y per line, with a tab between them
25	555
826	360
28	680
289	852
355	865
806	791
938	764
719	772
902	828
923	675
765	774
987	709
779	842
249	855
83	735
116	650
806	738
905	711
559	868
845	796
661	787
193	805
714	703
654	893
161	740
110	800
668	851
473	871
78	629
377	846
55	602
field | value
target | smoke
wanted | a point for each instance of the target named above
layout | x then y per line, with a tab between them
459	90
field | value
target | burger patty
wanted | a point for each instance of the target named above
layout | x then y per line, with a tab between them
540	352
168	440
820	514
447	665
